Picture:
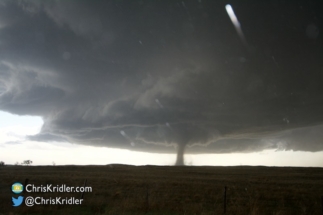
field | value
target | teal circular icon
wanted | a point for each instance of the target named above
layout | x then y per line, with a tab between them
17	188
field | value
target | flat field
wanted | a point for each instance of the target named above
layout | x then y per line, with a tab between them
121	189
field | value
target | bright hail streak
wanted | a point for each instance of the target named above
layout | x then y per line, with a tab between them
232	16
236	23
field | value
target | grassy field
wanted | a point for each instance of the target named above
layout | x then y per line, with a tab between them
122	189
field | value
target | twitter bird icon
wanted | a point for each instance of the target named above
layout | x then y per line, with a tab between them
17	201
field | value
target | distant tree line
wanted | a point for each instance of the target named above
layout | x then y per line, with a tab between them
25	162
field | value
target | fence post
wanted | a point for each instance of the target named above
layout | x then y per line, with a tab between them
82	195
225	200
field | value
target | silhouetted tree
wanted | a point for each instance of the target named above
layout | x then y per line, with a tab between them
27	162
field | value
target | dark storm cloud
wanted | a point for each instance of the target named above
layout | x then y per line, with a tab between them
154	75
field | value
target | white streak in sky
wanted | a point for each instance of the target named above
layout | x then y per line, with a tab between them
232	16
275	62
168	125
236	23
158	102
123	133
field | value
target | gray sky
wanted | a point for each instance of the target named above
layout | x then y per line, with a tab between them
161	76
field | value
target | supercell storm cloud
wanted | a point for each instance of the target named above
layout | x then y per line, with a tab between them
161	76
